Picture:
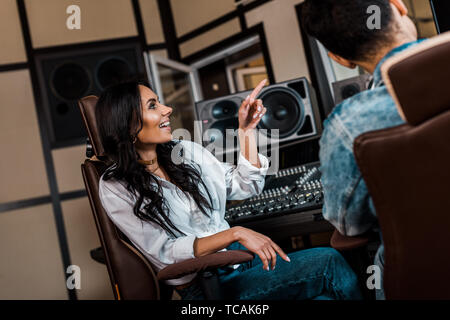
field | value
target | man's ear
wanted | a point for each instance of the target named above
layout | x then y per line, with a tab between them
400	7
342	61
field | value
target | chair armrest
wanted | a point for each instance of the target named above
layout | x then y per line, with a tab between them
345	243
205	263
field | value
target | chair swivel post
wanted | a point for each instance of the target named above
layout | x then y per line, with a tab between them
210	285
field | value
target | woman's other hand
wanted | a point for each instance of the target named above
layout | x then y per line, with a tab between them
261	245
251	109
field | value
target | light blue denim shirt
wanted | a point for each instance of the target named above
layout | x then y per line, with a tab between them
347	204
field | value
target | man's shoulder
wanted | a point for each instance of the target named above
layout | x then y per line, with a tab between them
367	111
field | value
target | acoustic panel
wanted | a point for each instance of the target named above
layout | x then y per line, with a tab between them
211	37
192	14
31	266
99	20
82	237
22	167
13	49
152	21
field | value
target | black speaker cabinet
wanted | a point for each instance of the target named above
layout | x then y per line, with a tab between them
69	73
349	87
291	108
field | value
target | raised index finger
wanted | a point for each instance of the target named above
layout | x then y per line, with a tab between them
258	89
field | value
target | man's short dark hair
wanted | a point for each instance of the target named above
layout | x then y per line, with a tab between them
341	26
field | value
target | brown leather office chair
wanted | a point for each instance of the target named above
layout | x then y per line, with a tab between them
131	274
407	172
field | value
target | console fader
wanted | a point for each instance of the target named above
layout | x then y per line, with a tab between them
291	190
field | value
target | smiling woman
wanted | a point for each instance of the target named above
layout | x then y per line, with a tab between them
175	211
129	118
155	123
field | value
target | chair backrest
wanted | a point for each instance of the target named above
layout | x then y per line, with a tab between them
131	275
407	175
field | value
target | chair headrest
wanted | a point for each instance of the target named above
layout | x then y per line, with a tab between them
418	79
87	108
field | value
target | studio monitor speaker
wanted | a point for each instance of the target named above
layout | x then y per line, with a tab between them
67	74
291	108
349	87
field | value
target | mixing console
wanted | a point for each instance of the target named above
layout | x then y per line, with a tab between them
291	190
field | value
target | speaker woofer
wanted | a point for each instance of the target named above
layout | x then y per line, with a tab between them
70	81
217	133
111	71
285	111
291	111
224	109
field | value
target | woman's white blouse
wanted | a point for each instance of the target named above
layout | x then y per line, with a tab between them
223	181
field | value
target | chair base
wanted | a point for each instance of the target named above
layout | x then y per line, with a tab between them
210	285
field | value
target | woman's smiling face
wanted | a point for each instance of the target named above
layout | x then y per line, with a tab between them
155	119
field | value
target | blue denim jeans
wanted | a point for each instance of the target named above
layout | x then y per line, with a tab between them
319	273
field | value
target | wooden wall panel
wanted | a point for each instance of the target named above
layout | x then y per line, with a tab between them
22	167
152	21
67	163
13	49
283	37
427	29
100	20
210	37
30	266
162	53
422	8
192	14
82	237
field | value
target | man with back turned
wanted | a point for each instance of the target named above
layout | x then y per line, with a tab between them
344	28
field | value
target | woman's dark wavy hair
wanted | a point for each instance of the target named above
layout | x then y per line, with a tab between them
119	120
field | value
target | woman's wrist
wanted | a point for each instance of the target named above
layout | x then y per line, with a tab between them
236	233
246	131
248	146
216	242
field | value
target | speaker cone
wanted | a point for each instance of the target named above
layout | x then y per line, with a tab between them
112	71
70	81
224	109
219	136
285	111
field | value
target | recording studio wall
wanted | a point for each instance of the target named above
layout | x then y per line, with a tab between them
280	23
41	182
421	13
43	196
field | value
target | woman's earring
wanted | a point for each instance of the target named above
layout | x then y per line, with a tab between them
134	140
